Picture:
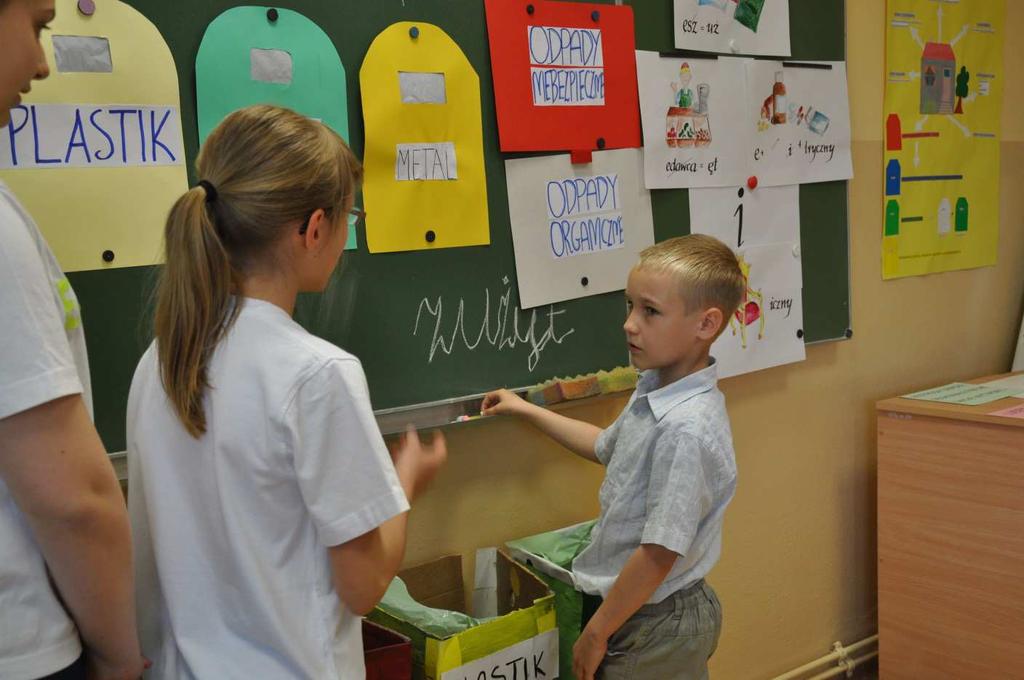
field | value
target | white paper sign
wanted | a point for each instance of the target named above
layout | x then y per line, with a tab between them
533	659
799	120
741	217
585	215
88	135
733	26
425	162
566	66
693	123
577	229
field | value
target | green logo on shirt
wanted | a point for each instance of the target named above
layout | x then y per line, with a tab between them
72	317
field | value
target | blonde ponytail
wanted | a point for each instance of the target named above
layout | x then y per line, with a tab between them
269	168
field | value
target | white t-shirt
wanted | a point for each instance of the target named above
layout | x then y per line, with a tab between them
42	358
231	530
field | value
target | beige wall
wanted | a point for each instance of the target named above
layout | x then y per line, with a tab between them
798	565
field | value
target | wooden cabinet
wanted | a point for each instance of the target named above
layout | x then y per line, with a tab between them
950	541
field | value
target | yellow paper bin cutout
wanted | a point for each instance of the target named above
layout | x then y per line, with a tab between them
85	211
421	107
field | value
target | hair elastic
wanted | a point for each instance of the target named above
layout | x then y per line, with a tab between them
211	191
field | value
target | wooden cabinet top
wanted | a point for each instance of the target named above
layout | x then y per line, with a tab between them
981	413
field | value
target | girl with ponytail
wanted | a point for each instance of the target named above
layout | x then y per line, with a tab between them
266	511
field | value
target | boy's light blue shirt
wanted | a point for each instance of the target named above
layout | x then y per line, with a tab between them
671	471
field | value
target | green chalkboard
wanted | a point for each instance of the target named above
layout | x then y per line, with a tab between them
470	336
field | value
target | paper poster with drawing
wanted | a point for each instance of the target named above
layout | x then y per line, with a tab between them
692	116
943	101
577	229
758	27
799	116
763	228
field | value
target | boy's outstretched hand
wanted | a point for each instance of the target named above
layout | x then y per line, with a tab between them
503	402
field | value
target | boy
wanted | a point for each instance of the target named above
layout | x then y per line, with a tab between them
671	471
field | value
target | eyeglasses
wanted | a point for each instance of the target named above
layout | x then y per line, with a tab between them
355	216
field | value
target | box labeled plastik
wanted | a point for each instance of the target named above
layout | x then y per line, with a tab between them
550	556
512	633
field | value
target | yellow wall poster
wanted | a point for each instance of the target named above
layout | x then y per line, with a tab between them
95	151
425	184
943	98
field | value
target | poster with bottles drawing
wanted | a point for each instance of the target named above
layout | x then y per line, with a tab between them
943	99
763	227
691	111
733	26
799	115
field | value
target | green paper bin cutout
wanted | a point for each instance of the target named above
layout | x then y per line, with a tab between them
962	213
233	51
892	218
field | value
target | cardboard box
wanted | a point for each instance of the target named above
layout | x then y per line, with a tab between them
521	642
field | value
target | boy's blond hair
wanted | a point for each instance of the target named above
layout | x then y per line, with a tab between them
707	271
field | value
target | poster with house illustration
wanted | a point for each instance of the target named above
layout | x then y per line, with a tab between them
733	26
763	228
798	118
692	117
943	99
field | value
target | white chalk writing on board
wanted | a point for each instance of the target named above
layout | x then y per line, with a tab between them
584	215
566	66
503	330
86	135
425	162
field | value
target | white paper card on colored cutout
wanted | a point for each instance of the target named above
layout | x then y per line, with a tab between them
733	26
526	660
91	136
693	123
740	217
270	66
576	223
430	162
800	132
422	88
82	54
566	66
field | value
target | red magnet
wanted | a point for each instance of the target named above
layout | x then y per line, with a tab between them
752	182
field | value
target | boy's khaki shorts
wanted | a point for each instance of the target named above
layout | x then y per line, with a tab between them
671	640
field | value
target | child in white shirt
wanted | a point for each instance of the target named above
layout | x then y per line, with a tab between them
266	511
65	553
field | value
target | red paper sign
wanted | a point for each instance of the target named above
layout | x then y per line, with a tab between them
564	75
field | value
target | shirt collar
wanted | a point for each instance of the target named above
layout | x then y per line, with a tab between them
664	399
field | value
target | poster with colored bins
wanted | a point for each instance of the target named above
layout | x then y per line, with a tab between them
943	99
